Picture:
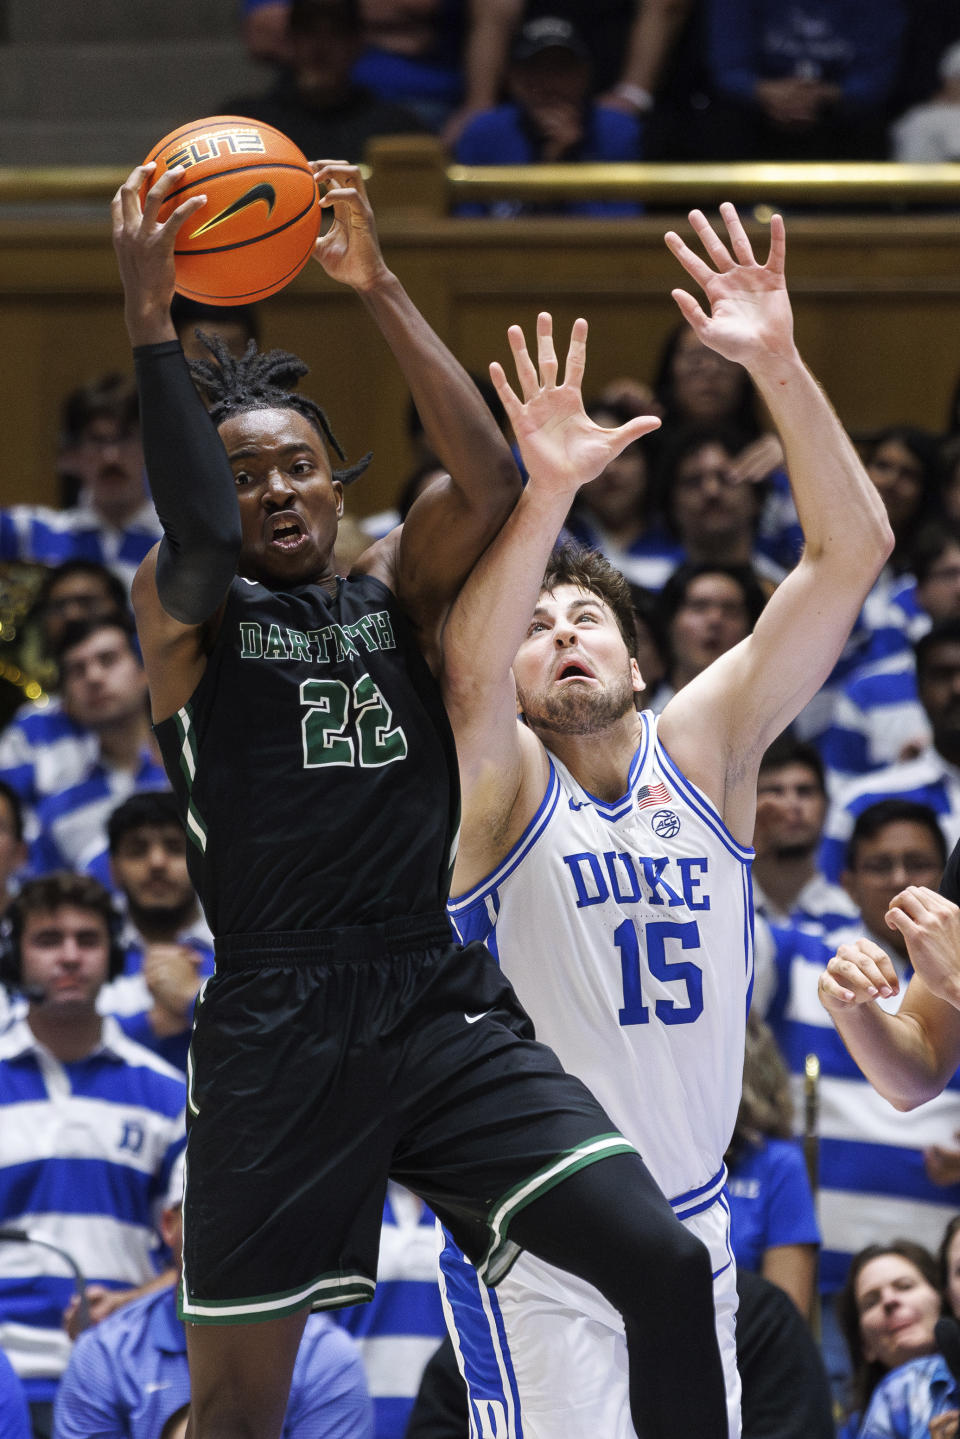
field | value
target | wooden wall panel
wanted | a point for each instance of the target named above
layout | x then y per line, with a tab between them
877	304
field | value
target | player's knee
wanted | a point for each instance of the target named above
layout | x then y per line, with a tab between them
672	1261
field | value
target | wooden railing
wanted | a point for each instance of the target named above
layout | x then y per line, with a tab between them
873	264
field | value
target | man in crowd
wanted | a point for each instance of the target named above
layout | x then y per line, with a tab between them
168	947
105	690
91	1125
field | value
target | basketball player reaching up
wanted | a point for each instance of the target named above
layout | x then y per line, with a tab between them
343	1038
605	854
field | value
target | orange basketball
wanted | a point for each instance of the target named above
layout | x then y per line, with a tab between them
261	219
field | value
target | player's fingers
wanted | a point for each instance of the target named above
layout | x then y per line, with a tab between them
338	175
576	361
336	172
162	190
777	256
338	195
711	241
507	397
857	970
526	370
174	221
830	990
126	202
547	362
909	903
634	429
695	267
739	242
917	898
691	311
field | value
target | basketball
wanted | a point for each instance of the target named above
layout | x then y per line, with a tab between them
261	219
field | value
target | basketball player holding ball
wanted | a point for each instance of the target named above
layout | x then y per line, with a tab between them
343	1038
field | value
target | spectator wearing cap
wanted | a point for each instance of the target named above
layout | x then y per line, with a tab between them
549	118
128	1377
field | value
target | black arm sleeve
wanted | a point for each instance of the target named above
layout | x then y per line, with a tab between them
192	487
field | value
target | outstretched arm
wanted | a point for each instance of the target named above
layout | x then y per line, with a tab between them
562	449
182	583
718	726
908	1056
450	527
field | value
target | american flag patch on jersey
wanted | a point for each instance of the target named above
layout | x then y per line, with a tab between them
652	794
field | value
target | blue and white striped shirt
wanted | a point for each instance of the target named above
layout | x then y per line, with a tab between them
929	779
878	713
73	823
43	751
86	1150
48	536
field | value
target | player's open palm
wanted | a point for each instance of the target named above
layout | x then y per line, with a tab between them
750	314
560	445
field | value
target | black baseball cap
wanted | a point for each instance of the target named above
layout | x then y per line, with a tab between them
548	32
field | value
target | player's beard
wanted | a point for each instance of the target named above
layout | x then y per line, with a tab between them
578	709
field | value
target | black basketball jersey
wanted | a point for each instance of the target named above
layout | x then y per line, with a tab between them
314	764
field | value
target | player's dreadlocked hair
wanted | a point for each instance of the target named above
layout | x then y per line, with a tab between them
263	380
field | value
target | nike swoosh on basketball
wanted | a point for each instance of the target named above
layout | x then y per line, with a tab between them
472	1018
260	191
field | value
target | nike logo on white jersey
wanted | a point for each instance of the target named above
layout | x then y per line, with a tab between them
472	1018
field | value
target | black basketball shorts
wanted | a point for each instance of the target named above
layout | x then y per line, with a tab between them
322	1063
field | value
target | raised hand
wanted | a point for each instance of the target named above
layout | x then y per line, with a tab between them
144	248
560	444
749	311
349	250
857	974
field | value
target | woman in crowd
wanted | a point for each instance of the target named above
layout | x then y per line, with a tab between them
888	1310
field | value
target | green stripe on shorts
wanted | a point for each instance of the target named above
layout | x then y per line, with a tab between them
501	1252
330	1291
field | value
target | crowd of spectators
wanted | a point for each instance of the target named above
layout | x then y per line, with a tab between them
514	82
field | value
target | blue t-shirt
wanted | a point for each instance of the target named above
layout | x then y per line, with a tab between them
770	1201
129	1374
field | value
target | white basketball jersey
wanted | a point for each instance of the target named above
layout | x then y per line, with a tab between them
626	929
